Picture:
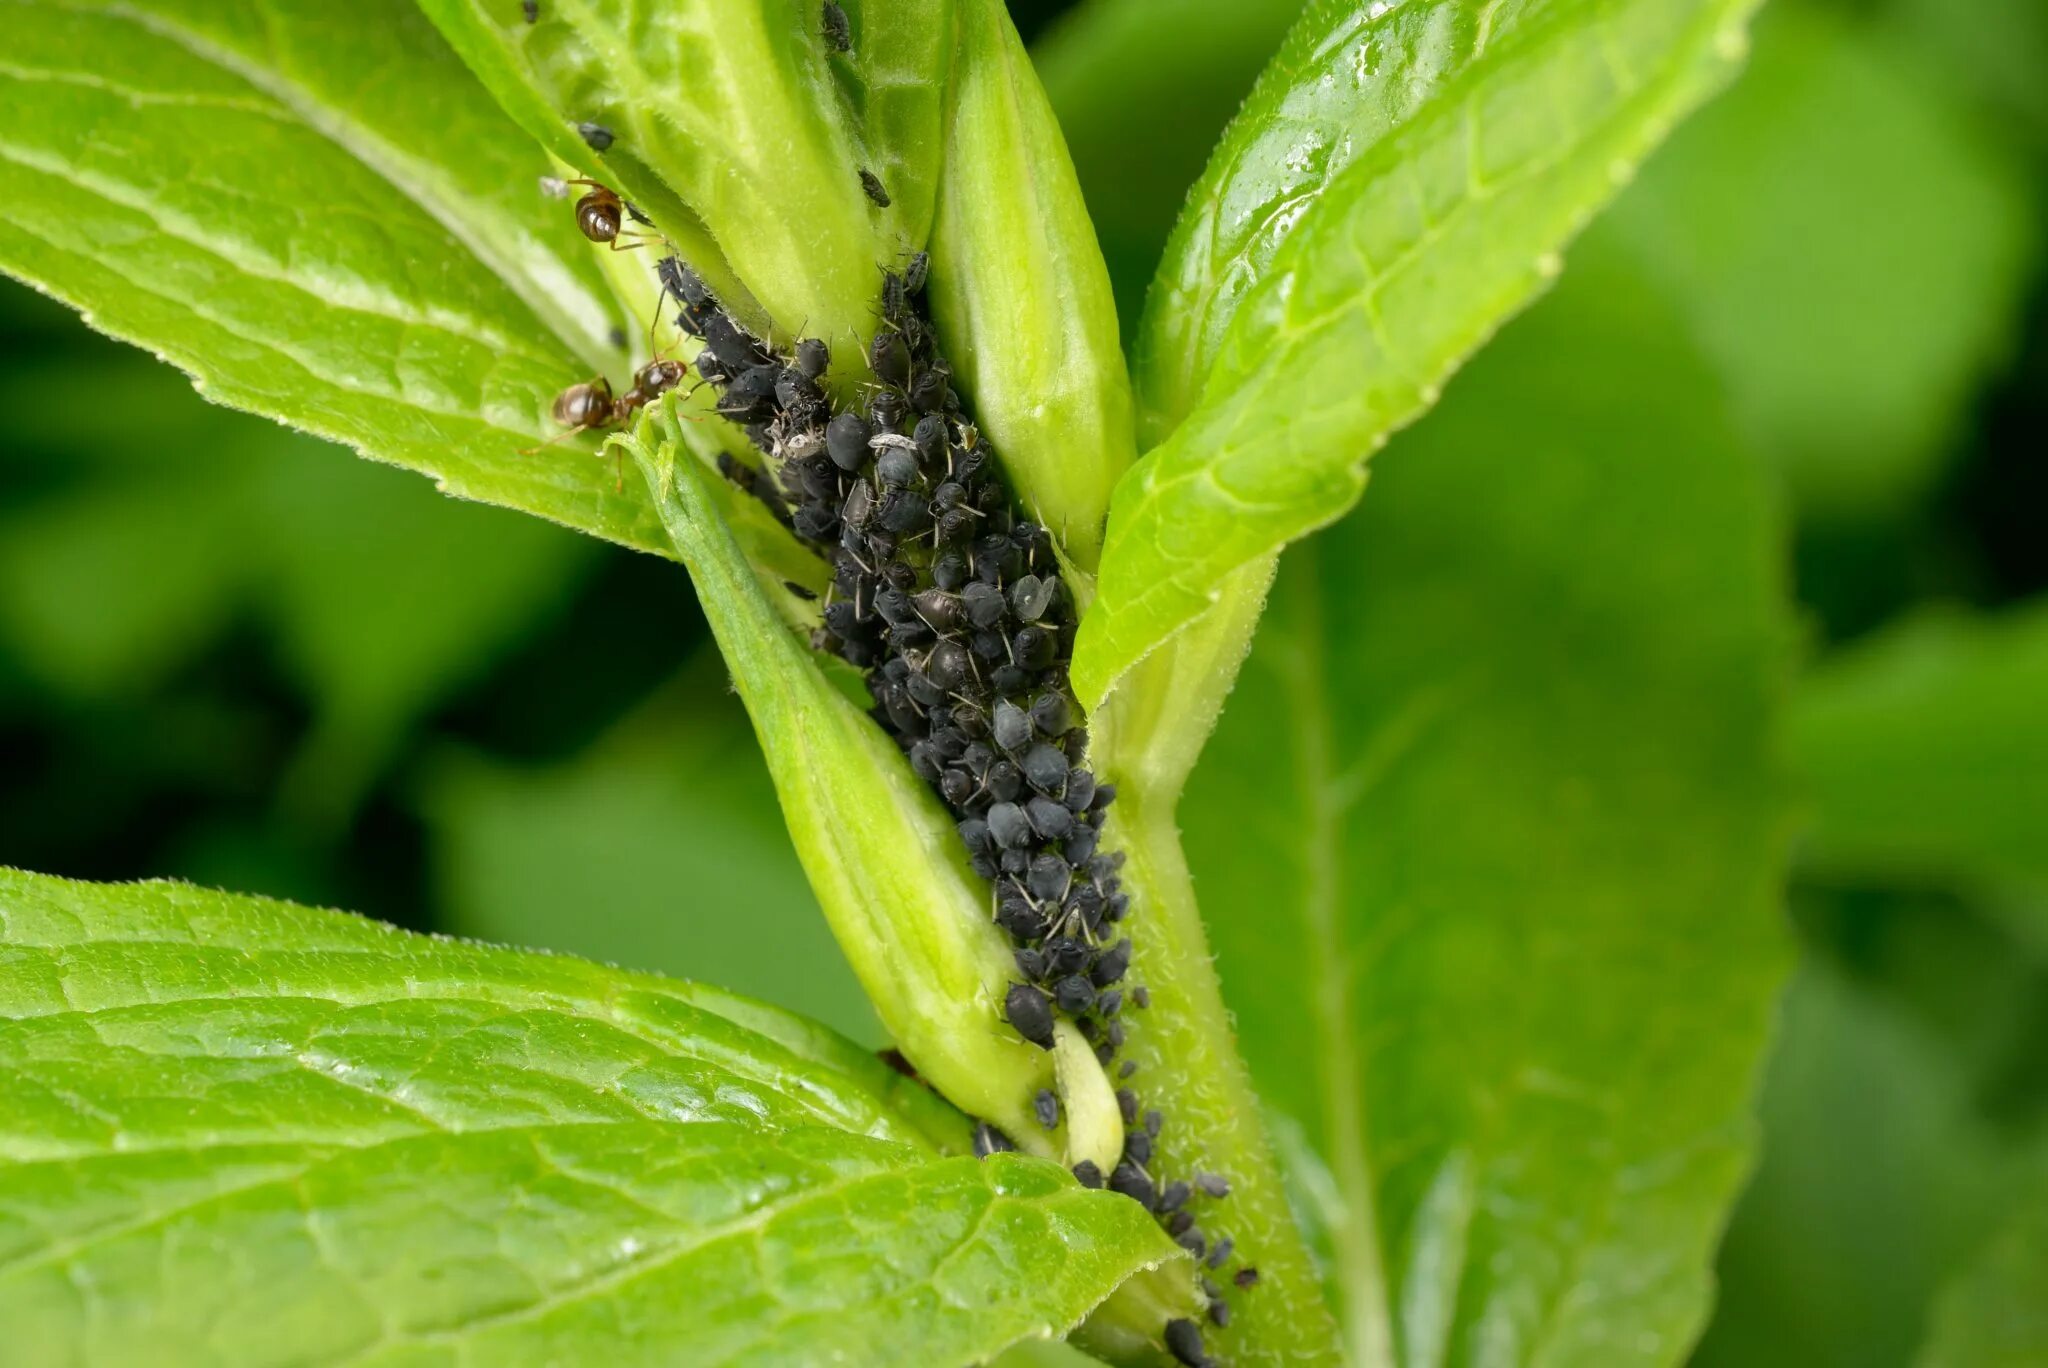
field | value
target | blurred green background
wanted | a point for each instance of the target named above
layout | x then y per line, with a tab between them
238	656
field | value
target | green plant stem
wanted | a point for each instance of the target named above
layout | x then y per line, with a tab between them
1148	737
1190	1068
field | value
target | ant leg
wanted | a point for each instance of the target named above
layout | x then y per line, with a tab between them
658	353
562	436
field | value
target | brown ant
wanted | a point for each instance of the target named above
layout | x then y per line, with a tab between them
601	217
587	407
590	407
650	382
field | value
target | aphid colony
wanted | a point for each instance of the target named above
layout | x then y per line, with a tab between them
953	607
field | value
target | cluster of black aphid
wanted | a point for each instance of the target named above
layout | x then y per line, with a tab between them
954	608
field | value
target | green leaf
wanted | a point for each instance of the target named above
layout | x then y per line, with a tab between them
1925	750
1877	1184
1851	246
386	601
726	121
318	214
1489	841
1143	89
1996	1316
113	570
242	1132
668	822
132	565
1400	182
1020	293
1989	51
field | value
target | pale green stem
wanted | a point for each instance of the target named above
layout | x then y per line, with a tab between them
1189	1068
1147	740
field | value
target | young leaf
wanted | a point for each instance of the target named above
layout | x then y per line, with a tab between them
1400	181
725	109
1926	752
1021	295
1497	786
240	1131
317	213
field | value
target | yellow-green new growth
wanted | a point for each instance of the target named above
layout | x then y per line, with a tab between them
1021	295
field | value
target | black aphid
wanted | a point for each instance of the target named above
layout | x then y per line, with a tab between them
531	9
813	358
1112	964
804	592
872	183
838	33
1213	1184
1088	1173
1133	1182
1184	1340
1031	1013
1073	994
597	135
988	1140
1246	1277
1046	1107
